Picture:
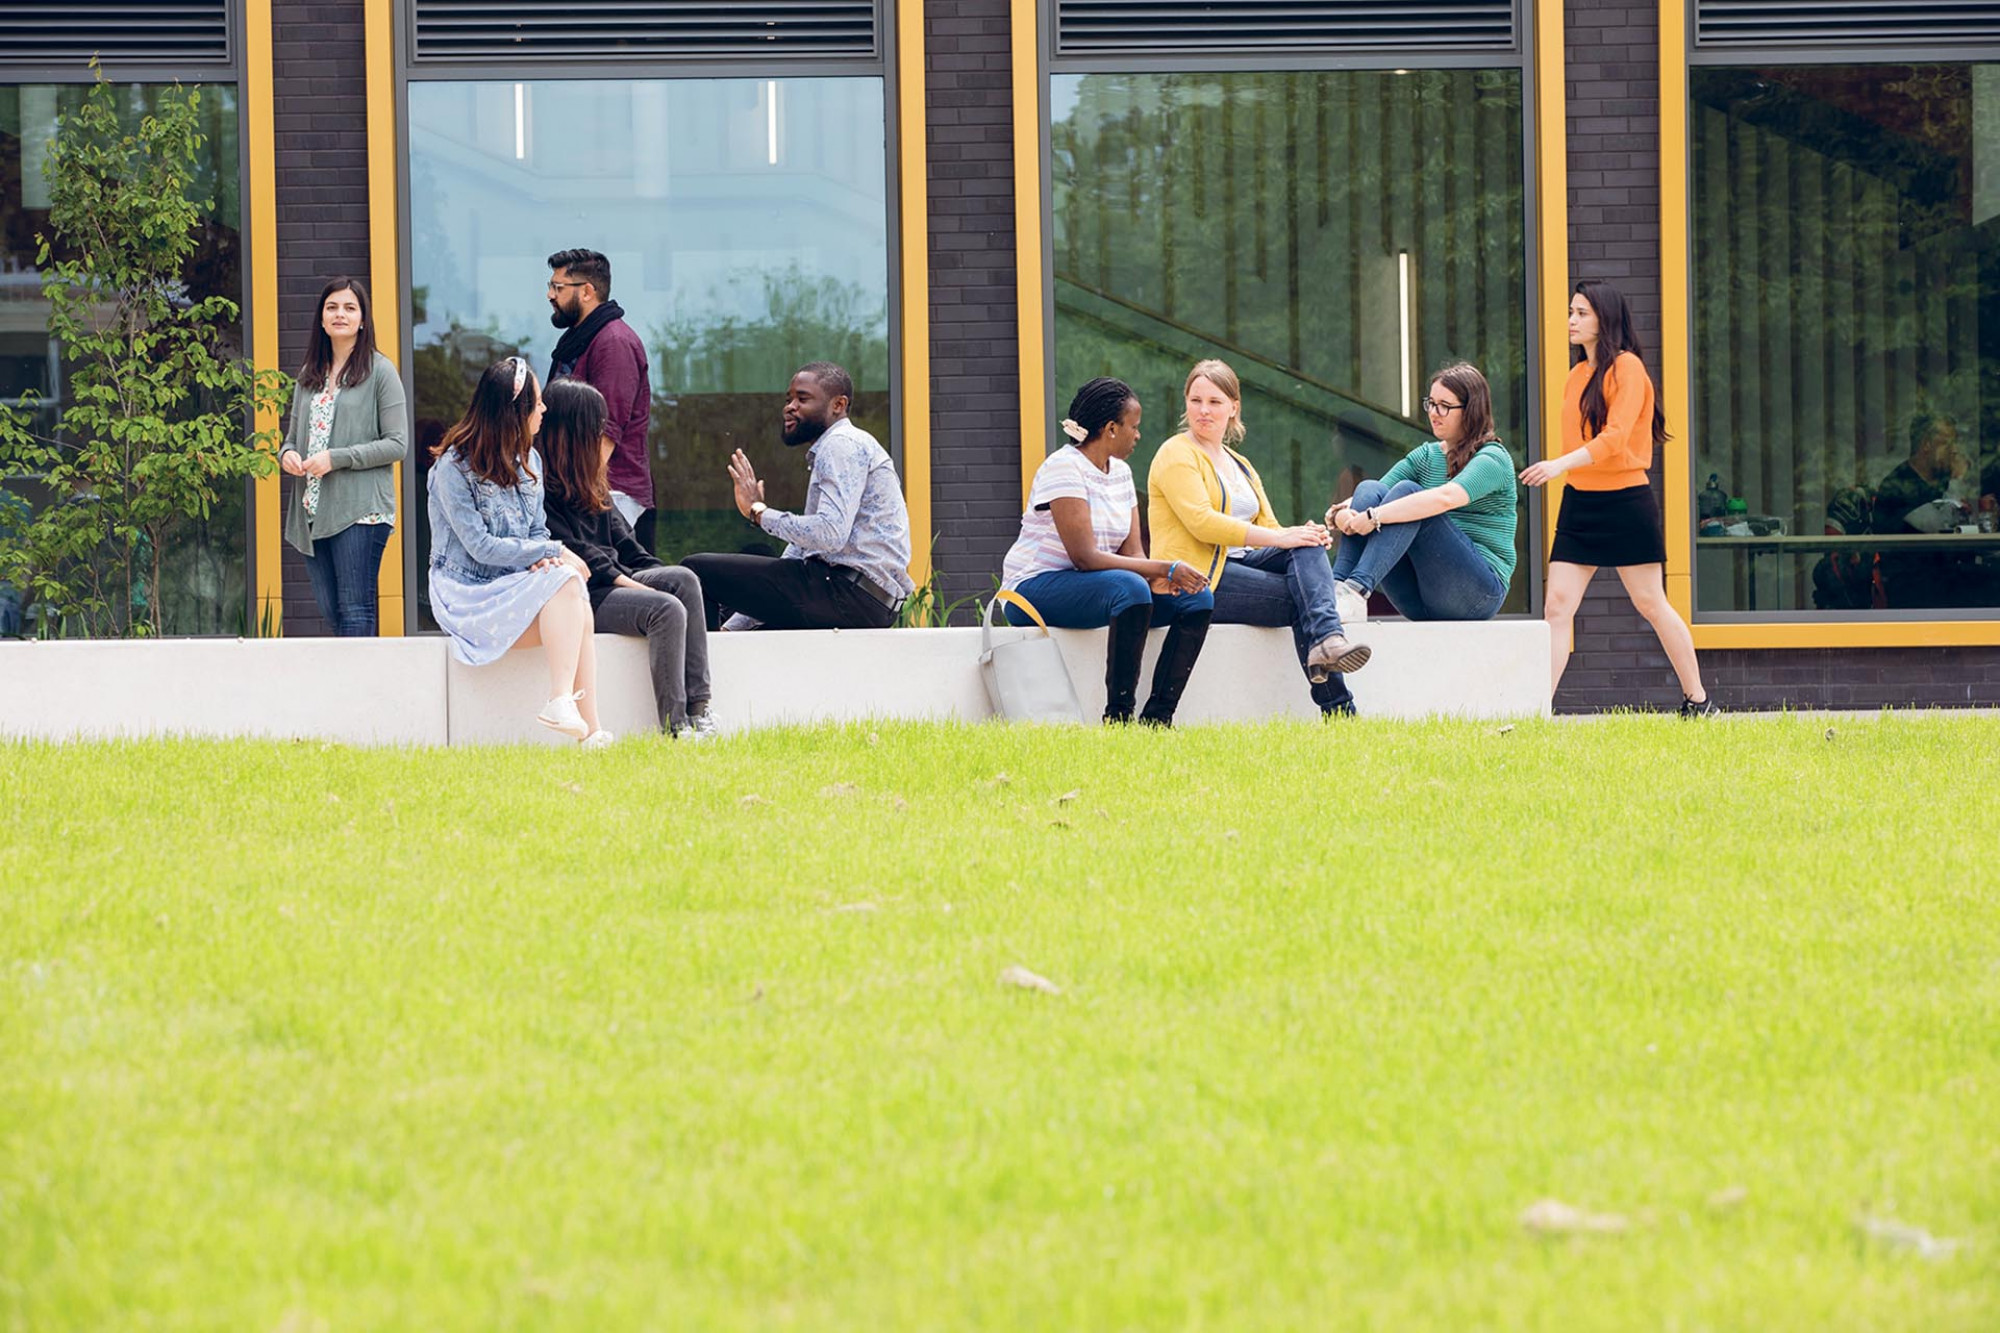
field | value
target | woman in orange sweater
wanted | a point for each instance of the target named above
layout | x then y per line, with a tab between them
1611	422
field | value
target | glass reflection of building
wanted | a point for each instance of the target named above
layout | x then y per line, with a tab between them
1334	235
746	221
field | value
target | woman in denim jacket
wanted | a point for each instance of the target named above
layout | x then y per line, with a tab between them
497	579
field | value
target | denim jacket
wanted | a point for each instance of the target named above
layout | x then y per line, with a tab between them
480	530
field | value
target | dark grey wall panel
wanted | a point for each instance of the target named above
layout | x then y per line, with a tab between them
975	377
321	128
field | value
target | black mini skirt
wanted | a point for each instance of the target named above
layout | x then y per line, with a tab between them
1609	528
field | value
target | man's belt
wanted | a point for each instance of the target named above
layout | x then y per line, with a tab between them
862	581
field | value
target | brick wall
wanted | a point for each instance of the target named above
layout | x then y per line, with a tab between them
322	184
1613	125
975	376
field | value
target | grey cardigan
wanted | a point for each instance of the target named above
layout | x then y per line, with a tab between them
370	432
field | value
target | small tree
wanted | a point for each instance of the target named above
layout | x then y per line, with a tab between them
158	421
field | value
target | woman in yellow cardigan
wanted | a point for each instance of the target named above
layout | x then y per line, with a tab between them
1611	423
1207	508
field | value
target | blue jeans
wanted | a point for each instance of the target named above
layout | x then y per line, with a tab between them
1089	598
1429	569
343	569
1291	586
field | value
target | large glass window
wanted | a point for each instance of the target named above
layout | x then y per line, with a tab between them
1334	236
746	221
1846	263
205	579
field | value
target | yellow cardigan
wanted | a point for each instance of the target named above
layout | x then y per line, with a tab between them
1184	507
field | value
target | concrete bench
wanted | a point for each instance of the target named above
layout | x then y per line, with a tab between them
409	691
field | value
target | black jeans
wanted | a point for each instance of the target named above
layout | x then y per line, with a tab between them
344	569
668	612
785	594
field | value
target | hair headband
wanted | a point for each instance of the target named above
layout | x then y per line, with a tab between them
520	374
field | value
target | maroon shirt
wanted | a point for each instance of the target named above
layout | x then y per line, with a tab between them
615	365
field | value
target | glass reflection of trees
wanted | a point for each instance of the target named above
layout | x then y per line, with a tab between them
1333	235
206	574
1846	262
748	235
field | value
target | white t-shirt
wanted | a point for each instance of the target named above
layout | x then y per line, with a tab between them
1242	496
1067	475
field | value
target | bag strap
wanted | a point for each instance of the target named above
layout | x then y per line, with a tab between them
1012	599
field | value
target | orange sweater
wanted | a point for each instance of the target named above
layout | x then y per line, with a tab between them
1623	450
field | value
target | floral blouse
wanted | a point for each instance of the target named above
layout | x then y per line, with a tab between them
319	431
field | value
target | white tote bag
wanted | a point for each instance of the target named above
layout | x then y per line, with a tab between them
1026	679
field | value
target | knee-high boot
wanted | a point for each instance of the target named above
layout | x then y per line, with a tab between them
1176	664
1122	655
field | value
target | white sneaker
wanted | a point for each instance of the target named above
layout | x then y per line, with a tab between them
598	740
559	714
1351	604
701	727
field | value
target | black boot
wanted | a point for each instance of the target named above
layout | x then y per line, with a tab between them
1122	655
1176	664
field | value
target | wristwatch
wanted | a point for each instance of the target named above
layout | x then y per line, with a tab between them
757	508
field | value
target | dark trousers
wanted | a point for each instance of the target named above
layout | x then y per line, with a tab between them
785	594
646	529
668	611
344	569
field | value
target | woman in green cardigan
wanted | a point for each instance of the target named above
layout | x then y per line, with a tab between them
348	429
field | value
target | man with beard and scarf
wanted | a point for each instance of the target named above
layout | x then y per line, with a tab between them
847	557
600	348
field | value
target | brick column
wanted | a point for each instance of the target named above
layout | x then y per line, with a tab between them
975	405
321	94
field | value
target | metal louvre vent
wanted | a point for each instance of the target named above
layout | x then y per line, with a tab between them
60	32
1856	23
468	30
1132	27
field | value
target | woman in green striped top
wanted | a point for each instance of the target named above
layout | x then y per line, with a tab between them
1436	534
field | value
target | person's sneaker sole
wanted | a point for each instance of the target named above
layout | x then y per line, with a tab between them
1353	659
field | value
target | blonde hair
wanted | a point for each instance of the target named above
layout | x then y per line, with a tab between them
1222	377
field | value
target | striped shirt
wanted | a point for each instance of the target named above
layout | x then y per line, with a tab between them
1488	517
1067	475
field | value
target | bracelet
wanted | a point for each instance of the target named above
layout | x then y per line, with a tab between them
1172	565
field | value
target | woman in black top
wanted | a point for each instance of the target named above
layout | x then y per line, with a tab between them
630	591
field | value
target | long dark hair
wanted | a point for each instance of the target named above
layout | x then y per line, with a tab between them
1615	336
1463	378
319	345
493	435
572	445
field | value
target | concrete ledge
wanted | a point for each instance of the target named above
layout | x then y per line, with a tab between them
361	691
409	691
771	677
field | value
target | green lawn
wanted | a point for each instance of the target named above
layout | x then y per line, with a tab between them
303	1037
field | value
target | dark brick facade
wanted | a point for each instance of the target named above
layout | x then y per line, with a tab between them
1613	126
975	373
321	88
1613	139
1611	48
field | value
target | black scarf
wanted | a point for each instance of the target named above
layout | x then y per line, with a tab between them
576	338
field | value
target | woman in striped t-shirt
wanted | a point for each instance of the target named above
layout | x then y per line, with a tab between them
1080	563
1436	533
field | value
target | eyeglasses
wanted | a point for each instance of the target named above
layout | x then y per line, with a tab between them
1441	409
555	286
